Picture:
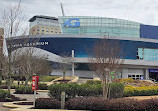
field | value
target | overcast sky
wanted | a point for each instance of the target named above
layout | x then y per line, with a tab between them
143	11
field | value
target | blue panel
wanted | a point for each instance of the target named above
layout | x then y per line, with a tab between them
148	31
59	45
153	70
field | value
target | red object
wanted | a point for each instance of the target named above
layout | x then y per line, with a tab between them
35	82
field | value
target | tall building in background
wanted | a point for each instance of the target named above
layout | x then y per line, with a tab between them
139	42
1	38
40	25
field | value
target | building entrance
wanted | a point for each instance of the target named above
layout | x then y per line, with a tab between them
153	74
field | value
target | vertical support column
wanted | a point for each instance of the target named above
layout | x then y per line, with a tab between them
124	73
146	74
73	67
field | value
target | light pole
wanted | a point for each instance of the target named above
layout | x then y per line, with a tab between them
73	63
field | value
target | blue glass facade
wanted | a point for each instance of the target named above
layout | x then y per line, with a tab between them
99	26
148	54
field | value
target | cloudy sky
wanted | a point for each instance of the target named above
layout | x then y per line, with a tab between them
143	11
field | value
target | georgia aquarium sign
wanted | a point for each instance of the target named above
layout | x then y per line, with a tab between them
75	24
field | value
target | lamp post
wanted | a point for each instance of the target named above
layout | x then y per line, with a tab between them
73	63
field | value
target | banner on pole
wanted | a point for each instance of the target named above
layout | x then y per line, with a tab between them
35	82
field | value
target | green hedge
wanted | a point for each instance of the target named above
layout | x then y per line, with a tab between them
23	90
42	86
4	94
93	82
74	90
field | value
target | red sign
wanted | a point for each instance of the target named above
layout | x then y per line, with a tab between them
35	82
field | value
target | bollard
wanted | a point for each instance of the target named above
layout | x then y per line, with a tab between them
62	100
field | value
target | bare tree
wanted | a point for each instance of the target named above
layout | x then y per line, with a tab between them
64	63
105	57
28	62
12	22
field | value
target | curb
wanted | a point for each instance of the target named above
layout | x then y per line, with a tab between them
13	90
28	107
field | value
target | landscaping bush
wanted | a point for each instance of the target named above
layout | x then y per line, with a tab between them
93	82
3	94
47	78
140	91
90	90
47	103
23	90
124	104
151	104
116	90
97	103
4	86
56	89
42	86
130	80
74	90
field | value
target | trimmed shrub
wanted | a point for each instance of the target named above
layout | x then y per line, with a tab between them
130	80
47	78
97	103
23	90
4	94
151	104
116	90
42	86
56	89
93	82
47	103
4	86
140	91
75	90
90	90
86	103
124	105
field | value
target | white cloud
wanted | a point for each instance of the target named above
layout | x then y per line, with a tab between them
143	11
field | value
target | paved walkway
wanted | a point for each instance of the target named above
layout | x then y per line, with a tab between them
29	97
143	97
3	108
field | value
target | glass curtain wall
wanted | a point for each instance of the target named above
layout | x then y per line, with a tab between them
101	26
148	54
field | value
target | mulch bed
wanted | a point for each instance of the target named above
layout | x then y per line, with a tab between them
24	103
62	81
11	99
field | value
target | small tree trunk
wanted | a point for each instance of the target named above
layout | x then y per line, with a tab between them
104	88
109	90
64	75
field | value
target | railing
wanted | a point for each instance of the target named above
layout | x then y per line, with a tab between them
155	81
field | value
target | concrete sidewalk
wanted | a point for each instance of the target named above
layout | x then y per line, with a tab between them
143	97
29	97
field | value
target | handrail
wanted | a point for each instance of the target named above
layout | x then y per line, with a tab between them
155	81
